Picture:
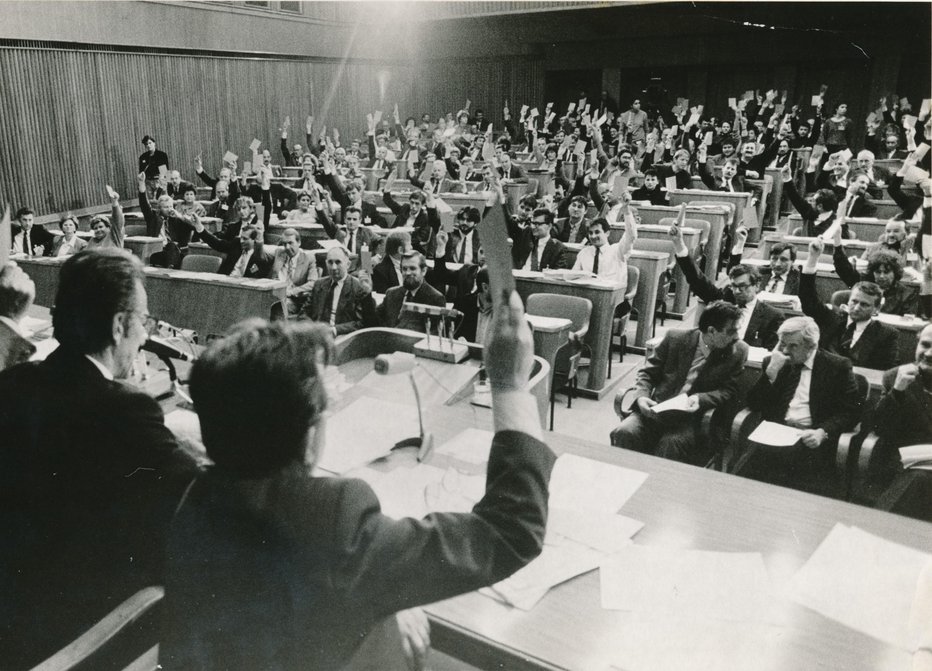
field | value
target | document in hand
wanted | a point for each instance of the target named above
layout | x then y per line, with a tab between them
775	435
917	456
863	581
678	403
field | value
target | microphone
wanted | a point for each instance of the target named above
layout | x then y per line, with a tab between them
396	362
405	362
161	348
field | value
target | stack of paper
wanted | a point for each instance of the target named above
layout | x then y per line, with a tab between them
863	581
775	435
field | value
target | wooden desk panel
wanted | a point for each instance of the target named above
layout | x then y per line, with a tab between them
717	218
740	201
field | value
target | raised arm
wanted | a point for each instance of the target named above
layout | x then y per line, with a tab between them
700	284
626	244
808	298
806	210
117	220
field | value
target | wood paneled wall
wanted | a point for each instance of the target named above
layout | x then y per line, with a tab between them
72	120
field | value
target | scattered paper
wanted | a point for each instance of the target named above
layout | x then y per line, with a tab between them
775	435
578	483
364	431
863	581
600	531
423	489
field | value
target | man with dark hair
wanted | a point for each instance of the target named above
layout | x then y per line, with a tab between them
464	288
818	217
341	300
413	289
271	567
150	162
885	269
351	196
705	363
17	292
854	333
780	277
29	238
812	390
575	226
424	220
387	272
463	243
604	259
244	256
758	322
650	190
89	475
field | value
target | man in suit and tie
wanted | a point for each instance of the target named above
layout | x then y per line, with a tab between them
879	177
17	291
575	226
353	236
758	321
705	363
351	196
89	475
29	238
463	242
297	268
418	214
809	389
534	247
387	272
510	172
412	290
245	255
781	277
731	181
340	300
854	334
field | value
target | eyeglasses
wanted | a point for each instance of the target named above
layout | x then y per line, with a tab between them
742	287
149	323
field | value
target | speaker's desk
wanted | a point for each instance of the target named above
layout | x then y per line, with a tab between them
203	302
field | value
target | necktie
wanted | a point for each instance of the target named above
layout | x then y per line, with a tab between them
595	261
239	270
462	254
844	345
535	258
289	269
28	245
850	207
788	381
327	307
731	188
697	364
775	280
352	241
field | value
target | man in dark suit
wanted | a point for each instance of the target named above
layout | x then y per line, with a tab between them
89	475
533	248
758	322
855	334
351	196
245	256
387	272
412	290
818	217
812	390
29	238
780	277
731	181
352	235
705	363
575	226
17	291
467	287
418	213
463	242
340	300
273	568
509	171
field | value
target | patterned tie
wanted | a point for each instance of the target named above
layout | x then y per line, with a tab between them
462	254
535	257
775	280
595	261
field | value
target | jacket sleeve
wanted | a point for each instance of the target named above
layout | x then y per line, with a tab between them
810	302
805	209
843	268
848	400
652	372
728	389
700	284
152	224
391	204
221	245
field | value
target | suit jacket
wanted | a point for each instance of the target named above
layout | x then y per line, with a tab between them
737	182
370	213
561	230
14	348
456	239
390	313
903	417
291	571
426	224
89	478
877	346
355	307
665	371
834	399
515	172
384	276
790	283
763	322
899	299
38	236
552	256
302	275
260	263
811	226
77	244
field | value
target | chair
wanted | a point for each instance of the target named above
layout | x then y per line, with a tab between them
577	310
201	263
114	640
841	297
620	322
134	229
663	286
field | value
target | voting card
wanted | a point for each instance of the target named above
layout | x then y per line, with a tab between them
524	109
580	147
230	158
255	144
594	157
816	100
707	139
586	111
6	237
534	113
163	171
732	103
921	152
909	121
493	231
247	167
581	103
570	108
287	122
670	183
904	101
377	117
601	120
110	192
925	108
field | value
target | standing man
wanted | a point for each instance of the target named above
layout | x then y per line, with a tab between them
705	363
149	164
635	123
89	475
28	238
340	300
412	290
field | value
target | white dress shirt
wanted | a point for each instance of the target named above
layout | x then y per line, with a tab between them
239	270
610	266
745	318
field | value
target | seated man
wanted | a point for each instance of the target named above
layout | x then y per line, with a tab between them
89	475
884	268
243	257
270	567
895	238
413	289
812	390
351	196
463	242
758	322
878	177
533	248
297	267
706	364
854	198
817	217
417	214
387	272
575	226
604	260
781	277
17	291
650	191
853	334
731	181
167	224
468	288
341	300
28	238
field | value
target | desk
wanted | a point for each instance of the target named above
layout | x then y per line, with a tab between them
739	200
309	233
867	229
143	246
801	243
718	222
682	507
206	303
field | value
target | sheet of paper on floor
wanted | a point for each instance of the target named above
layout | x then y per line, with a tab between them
863	581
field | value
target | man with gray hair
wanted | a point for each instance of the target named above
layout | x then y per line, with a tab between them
879	177
17	292
811	390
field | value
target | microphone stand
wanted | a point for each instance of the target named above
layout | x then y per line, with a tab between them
425	441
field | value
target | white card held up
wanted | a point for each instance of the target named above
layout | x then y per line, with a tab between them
909	121
732	103
670	183
925	108
580	147
255	144
534	113
230	158
775	435
816	100
110	192
570	108
601	120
